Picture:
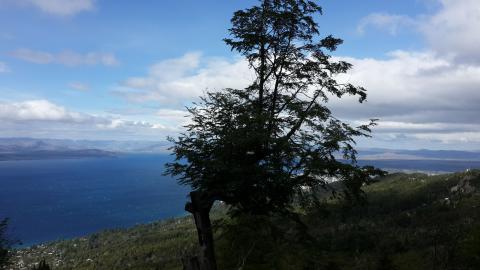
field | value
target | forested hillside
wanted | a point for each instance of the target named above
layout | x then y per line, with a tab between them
410	221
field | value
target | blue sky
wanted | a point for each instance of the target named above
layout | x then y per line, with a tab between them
108	69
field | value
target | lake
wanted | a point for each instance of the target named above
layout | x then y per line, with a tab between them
56	199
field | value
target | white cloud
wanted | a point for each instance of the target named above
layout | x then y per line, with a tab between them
185	78
389	22
67	58
36	57
42	118
455	30
452	31
429	96
62	7
4	68
55	7
433	127
451	138
415	87
79	86
417	94
120	123
412	93
37	110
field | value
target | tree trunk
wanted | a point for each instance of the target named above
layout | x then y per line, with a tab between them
200	206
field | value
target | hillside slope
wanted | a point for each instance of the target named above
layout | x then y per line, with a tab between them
411	221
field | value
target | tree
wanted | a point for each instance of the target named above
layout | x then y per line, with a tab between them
4	244
42	266
262	148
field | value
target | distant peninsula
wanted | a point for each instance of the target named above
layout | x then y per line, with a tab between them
55	154
32	149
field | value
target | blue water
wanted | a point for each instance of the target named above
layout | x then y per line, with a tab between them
57	199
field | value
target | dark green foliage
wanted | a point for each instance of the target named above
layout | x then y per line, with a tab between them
385	262
4	245
159	245
420	229
42	266
470	248
259	148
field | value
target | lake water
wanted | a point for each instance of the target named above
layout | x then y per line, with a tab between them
55	199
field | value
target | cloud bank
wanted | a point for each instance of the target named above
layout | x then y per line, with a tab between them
55	7
66	58
44	119
428	96
185	78
423	98
453	31
384	21
418	96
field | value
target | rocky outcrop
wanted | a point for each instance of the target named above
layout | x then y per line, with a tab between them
465	185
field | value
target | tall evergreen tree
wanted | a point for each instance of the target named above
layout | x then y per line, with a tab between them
259	148
262	148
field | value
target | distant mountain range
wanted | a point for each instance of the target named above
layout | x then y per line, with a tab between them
422	154
54	154
31	144
32	149
24	148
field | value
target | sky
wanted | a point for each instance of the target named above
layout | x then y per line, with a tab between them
125	70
